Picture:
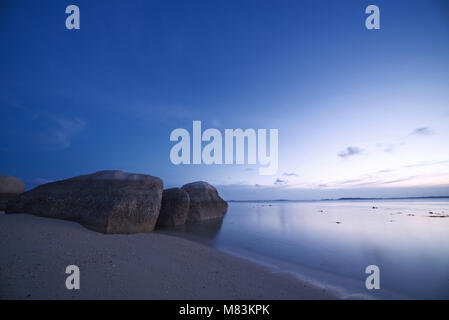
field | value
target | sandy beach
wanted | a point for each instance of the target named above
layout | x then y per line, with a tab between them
34	253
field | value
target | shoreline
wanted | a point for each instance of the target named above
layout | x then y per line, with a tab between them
35	251
337	284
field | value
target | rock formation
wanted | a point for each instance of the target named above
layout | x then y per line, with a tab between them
205	203
174	208
10	187
106	201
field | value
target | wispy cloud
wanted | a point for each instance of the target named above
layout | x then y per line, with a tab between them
351	181
426	164
290	174
350	151
34	182
63	129
390	148
423	131
42	181
384	171
48	127
399	180
279	182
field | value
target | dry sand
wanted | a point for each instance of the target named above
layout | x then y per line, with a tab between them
34	253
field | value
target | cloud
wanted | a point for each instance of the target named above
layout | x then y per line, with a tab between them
423	131
390	148
39	181
350	151
46	127
34	182
426	164
384	171
351	181
291	174
399	180
279	182
216	123
62	129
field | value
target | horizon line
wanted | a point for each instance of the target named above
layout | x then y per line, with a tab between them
345	199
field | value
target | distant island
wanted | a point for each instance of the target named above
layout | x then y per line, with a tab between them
396	198
345	199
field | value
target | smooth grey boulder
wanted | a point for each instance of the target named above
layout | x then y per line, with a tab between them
10	187
105	201
205	203
174	208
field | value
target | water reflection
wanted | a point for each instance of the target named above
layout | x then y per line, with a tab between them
205	231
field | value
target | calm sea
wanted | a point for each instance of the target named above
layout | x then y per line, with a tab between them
332	242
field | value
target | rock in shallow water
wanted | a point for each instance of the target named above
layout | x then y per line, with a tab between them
10	187
106	201
205	203
174	208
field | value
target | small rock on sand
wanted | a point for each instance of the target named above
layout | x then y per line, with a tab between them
10	187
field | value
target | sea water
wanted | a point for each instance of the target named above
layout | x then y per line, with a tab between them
332	242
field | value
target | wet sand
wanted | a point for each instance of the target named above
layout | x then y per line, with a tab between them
34	253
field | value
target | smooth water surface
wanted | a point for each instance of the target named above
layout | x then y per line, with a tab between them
332	242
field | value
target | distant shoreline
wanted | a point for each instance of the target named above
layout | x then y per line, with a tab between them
344	199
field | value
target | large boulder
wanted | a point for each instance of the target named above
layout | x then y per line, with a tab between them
205	203
174	208
106	201
10	187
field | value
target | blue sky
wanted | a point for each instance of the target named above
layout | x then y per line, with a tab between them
359	112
